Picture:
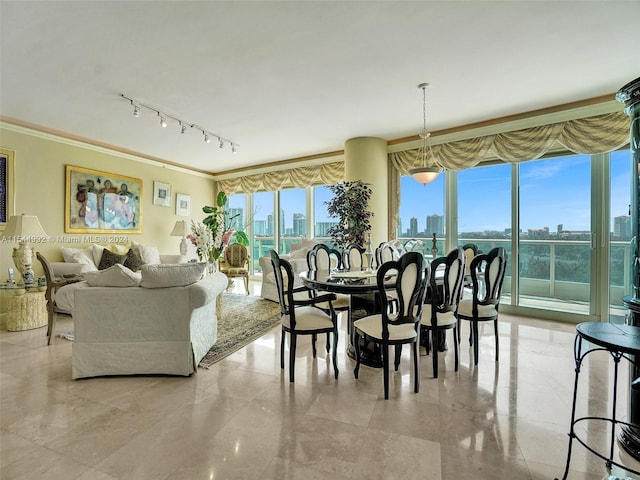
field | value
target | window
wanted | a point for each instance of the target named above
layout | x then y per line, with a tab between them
293	217
263	226
322	221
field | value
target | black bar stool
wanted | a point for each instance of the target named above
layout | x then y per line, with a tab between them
621	341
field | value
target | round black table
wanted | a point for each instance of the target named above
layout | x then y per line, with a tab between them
358	284
620	341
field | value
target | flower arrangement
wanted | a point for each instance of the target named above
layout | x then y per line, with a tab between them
212	235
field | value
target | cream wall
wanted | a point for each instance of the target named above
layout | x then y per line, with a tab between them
40	190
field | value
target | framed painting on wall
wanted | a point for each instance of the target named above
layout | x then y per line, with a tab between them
101	202
162	194
183	205
7	186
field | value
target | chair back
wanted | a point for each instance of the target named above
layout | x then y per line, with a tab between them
283	273
410	287
236	255
352	257
386	252
446	297
48	274
487	276
321	257
470	250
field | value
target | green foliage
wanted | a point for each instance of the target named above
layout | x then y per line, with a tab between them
350	205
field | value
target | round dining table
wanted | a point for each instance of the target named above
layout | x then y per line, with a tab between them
362	288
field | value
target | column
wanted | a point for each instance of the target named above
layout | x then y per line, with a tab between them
366	160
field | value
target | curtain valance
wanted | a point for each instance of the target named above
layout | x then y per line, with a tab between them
591	135
325	174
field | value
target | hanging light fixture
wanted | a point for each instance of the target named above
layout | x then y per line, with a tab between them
425	174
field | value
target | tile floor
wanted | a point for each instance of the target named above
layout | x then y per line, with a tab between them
242	419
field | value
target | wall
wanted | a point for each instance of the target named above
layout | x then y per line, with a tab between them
40	190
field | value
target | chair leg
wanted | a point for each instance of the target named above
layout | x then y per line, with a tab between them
476	346
335	351
314	337
356	342
292	356
459	323
51	326
456	334
284	334
416	368
495	329
435	352
328	341
385	370
246	284
398	354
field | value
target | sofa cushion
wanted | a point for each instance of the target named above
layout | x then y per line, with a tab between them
115	276
171	275
133	261
110	259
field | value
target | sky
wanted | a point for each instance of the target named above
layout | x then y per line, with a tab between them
552	192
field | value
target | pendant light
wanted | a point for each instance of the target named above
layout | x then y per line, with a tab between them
425	174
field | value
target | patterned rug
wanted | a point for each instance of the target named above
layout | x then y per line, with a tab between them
243	319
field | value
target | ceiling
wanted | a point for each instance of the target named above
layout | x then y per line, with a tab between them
285	80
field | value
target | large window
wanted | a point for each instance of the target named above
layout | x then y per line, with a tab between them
322	221
620	231
264	223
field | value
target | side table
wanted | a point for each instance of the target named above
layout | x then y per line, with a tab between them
27	307
620	341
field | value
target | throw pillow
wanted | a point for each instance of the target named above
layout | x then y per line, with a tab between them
110	259
171	275
82	259
115	276
79	255
148	253
133	261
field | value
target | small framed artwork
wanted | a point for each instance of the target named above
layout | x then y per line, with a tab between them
161	194
7	185
101	202
183	205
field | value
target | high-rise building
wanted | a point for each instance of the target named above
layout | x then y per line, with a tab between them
413	227
322	228
270	225
435	224
260	227
622	226
236	223
299	225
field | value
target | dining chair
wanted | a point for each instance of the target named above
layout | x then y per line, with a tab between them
400	326
487	275
352	258
235	263
470	250
53	284
301	316
321	257
386	252
440	308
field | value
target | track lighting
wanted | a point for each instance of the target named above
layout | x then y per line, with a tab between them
164	117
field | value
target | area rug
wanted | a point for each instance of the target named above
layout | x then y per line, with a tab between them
243	319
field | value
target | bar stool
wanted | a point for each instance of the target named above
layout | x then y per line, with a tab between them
620	341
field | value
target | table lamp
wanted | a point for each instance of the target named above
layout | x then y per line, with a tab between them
21	229
180	230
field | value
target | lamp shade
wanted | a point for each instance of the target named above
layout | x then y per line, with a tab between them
425	175
24	226
179	229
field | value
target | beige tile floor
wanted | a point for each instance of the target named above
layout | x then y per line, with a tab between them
242	419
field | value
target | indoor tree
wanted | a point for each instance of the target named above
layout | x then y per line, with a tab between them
350	205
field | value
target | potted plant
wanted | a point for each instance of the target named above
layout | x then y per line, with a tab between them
350	205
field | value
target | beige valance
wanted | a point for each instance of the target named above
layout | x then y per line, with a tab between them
325	174
591	135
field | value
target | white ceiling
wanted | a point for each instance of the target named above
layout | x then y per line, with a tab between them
291	79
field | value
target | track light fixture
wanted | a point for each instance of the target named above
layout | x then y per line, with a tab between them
137	111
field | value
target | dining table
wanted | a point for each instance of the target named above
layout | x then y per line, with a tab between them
361	285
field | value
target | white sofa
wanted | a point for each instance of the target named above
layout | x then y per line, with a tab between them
298	260
142	330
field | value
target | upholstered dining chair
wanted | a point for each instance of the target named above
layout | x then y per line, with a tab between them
400	326
321	257
235	263
440	309
352	258
301	316
487	275
470	250
53	284
386	252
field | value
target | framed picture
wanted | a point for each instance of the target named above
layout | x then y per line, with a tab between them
162	194
183	205
101	202
7	185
